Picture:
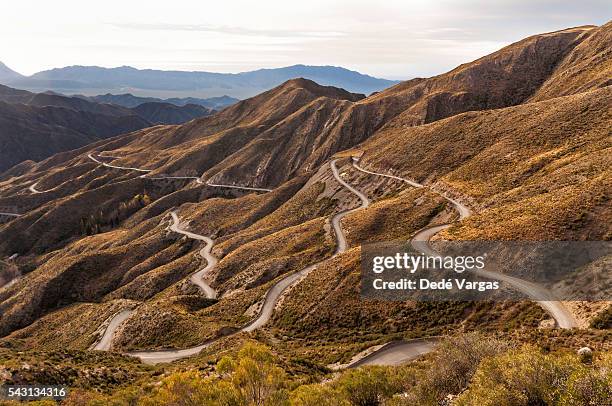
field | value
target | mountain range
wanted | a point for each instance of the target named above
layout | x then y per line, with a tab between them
177	245
129	100
92	80
37	125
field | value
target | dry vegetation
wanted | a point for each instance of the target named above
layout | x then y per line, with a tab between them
509	134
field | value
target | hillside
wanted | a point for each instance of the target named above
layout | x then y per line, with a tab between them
34	133
91	80
38	125
538	170
268	139
587	67
265	205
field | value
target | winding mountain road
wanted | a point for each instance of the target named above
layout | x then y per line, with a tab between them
398	352
277	290
194	178
211	260
125	168
274	293
420	242
197	279
390	354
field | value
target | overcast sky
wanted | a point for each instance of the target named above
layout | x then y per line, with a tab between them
391	39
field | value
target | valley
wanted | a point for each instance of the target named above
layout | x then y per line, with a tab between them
162	249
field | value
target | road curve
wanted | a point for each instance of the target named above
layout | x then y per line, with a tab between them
410	182
211	260
420	242
126	168
107	339
397	352
33	189
144	176
274	293
197	279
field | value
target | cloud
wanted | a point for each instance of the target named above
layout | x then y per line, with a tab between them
231	30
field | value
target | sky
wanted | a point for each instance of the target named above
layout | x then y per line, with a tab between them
390	39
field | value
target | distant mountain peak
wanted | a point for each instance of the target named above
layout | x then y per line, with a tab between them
320	90
7	74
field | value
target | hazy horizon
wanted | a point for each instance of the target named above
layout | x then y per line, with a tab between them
420	38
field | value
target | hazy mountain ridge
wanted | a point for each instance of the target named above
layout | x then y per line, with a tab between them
8	75
195	84
37	125
129	100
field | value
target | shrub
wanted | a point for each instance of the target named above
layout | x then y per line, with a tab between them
250	378
528	377
317	395
367	386
255	375
588	387
454	364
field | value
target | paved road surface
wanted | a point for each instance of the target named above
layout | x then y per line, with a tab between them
211	260
126	168
397	352
195	178
275	292
105	342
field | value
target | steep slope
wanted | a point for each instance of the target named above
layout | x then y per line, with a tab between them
195	147
538	170
504	78
294	128
588	66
